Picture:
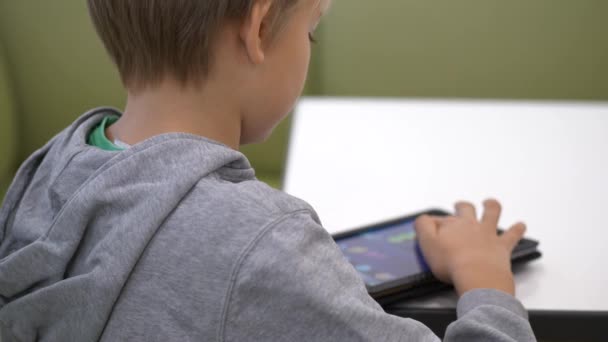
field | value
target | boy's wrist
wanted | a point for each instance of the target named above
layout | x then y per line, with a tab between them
472	278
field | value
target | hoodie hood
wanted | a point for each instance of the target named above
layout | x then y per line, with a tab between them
64	255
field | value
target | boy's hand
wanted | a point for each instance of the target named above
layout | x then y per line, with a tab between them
467	252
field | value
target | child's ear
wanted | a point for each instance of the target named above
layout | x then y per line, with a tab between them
254	30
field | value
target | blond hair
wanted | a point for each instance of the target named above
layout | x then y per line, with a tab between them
151	39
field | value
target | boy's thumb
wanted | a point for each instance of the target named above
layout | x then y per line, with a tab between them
426	231
512	236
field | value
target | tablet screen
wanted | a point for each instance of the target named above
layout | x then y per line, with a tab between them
385	253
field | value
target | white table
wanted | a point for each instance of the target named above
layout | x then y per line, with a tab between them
359	161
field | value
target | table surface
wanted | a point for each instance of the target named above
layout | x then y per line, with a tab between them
360	161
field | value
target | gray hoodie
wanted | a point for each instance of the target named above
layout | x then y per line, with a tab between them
174	239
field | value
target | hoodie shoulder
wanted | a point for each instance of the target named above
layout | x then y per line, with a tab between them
247	198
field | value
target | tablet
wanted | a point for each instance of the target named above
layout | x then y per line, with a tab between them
390	261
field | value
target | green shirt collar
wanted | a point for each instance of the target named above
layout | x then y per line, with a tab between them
98	137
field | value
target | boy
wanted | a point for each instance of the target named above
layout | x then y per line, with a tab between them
149	225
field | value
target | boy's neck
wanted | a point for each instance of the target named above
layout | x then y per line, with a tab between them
170	107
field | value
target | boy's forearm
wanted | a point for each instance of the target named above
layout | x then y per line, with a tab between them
490	315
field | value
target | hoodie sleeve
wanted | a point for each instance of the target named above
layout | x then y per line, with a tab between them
293	284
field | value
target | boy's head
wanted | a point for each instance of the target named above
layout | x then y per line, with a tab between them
258	50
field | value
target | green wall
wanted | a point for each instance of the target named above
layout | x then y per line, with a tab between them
549	49
59	70
8	132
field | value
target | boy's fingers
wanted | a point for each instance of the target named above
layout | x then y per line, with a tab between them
491	213
465	210
512	236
